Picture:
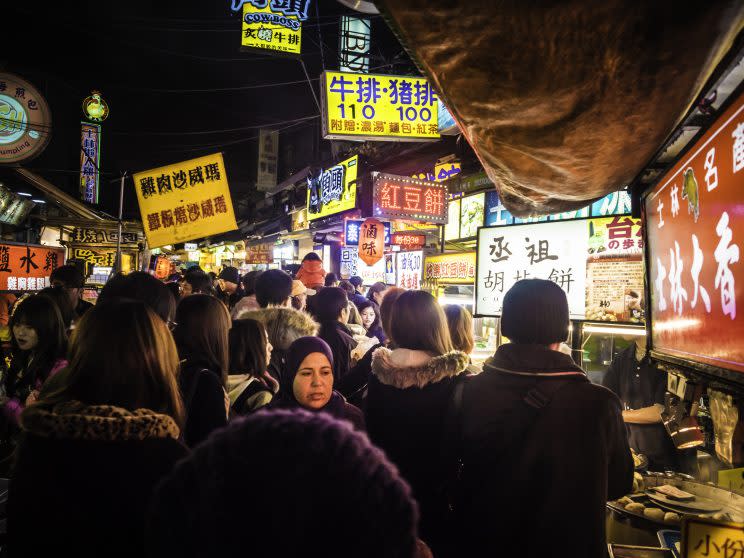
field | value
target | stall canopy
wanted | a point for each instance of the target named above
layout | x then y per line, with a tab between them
564	103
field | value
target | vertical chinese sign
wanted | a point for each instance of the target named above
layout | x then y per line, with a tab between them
378	107
268	157
555	251
90	160
410	267
28	267
273	25
333	190
185	201
695	230
371	241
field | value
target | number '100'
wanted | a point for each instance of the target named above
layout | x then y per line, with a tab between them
368	111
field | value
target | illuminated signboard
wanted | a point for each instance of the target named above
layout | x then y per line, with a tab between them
95	108
13	208
400	197
351	265
260	253
408	241
27	267
378	107
695	230
553	251
275	25
452	228
450	268
471	215
268	156
442	172
333	190
185	201
25	120
352	228
354	43
90	159
409	267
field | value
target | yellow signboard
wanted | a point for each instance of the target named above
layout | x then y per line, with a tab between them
185	201
704	538
333	190
378	107
451	268
267	29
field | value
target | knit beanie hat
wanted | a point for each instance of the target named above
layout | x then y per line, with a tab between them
284	484
535	311
295	355
230	274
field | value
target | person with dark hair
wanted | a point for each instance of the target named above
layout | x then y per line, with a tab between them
175	289
370	314
309	382
533	418
71	279
408	396
62	300
460	323
273	288
101	435
354	504
332	312
376	293
201	335
139	285
38	352
311	271
331	280
357	297
228	287
196	282
248	302
250	386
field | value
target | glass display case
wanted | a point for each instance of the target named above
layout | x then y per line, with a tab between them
600	343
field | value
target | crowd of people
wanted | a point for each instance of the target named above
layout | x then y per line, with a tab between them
295	417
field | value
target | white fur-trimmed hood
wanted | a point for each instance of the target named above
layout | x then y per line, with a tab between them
404	368
284	325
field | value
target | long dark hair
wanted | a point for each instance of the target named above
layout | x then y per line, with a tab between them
201	333
42	314
376	288
460	323
121	354
410	311
248	348
369	304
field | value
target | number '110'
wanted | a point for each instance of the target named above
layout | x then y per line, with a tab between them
368	111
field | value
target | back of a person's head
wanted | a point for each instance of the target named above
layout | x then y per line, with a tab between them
348	287
68	276
375	289
121	354
460	324
273	288
356	281
355	504
410	312
200	282
247	340
331	280
139	285
249	282
201	333
535	311
311	257
329	302
60	298
386	308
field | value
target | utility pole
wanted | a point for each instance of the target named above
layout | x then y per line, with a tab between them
117	266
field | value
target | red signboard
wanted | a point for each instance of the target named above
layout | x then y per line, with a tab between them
371	241
260	253
400	197
695	217
408	241
28	267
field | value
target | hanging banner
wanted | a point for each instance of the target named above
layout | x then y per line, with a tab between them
352	227
275	26
90	160
695	230
371	241
268	156
27	267
185	201
333	190
25	120
409	266
400	197
378	107
455	268
553	251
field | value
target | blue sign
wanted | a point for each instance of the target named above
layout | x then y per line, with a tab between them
496	213
352	228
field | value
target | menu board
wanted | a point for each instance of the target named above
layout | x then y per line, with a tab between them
410	267
695	230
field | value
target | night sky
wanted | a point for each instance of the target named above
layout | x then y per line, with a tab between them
161	67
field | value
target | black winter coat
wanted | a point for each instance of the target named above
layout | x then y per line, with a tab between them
339	339
204	400
546	494
83	480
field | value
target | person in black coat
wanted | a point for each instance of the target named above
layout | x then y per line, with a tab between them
201	335
102	434
332	312
543	448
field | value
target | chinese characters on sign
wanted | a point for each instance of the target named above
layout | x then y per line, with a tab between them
695	233
101	236
556	252
378	107
268	154
371	241
352	228
450	268
185	201
260	253
706	538
408	241
28	267
333	190
274	25
399	197
409	266
351	265
25	120
90	159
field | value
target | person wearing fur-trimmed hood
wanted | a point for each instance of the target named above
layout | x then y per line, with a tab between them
408	396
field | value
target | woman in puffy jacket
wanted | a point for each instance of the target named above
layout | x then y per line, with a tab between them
311	272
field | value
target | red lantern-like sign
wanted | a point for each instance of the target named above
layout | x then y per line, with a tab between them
371	241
